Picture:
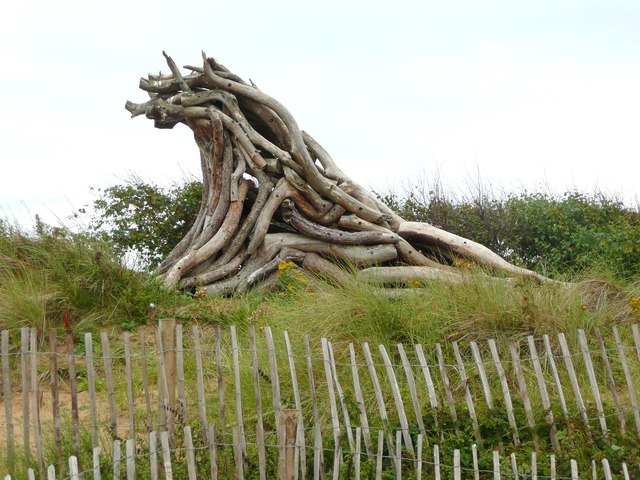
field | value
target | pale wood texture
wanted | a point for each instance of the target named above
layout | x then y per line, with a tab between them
242	131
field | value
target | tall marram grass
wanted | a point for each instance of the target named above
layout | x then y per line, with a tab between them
435	312
44	273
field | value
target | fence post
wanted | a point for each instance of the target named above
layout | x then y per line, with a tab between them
288	427
168	335
8	400
24	366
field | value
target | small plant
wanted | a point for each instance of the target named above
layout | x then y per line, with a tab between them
290	277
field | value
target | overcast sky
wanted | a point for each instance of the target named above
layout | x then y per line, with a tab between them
529	93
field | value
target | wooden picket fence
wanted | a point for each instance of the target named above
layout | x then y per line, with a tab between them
161	464
305	410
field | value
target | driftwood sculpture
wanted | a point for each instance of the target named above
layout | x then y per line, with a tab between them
272	194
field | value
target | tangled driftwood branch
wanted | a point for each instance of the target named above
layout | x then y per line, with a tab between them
272	194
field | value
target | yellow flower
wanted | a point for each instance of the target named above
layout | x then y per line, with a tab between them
634	303
285	265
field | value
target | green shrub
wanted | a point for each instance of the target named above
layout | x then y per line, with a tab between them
551	233
145	218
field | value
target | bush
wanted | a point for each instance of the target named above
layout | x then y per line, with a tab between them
544	232
144	218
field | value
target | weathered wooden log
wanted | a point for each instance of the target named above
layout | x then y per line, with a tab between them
273	194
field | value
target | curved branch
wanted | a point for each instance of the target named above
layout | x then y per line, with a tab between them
299	150
329	235
429	235
213	246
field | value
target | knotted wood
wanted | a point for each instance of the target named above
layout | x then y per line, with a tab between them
273	194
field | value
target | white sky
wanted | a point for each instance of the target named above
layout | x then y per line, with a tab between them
530	93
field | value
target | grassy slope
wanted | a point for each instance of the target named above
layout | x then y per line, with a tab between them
40	277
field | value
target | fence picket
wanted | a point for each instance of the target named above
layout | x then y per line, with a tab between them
364	420
165	412
419	442
275	386
166	455
213	452
356	460
399	454
379	398
260	441
8	400
335	421
301	452
191	459
446	383
544	393
457	473
73	468
534	466
130	391
35	399
556	376
593	381
574	380
202	405
506	394
153	455
145	380
343	405
379	456
108	374
26	424
91	379
408	373
130	450
238	389
97	474
181	409
524	392
627	376
514	466
610	380
318	458
467	391
221	394
116	457
395	389
426	373
482	373
625	472
607	469
474	459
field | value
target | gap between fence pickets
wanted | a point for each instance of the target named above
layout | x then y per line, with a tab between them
170	352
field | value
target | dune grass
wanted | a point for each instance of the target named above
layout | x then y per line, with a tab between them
44	273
